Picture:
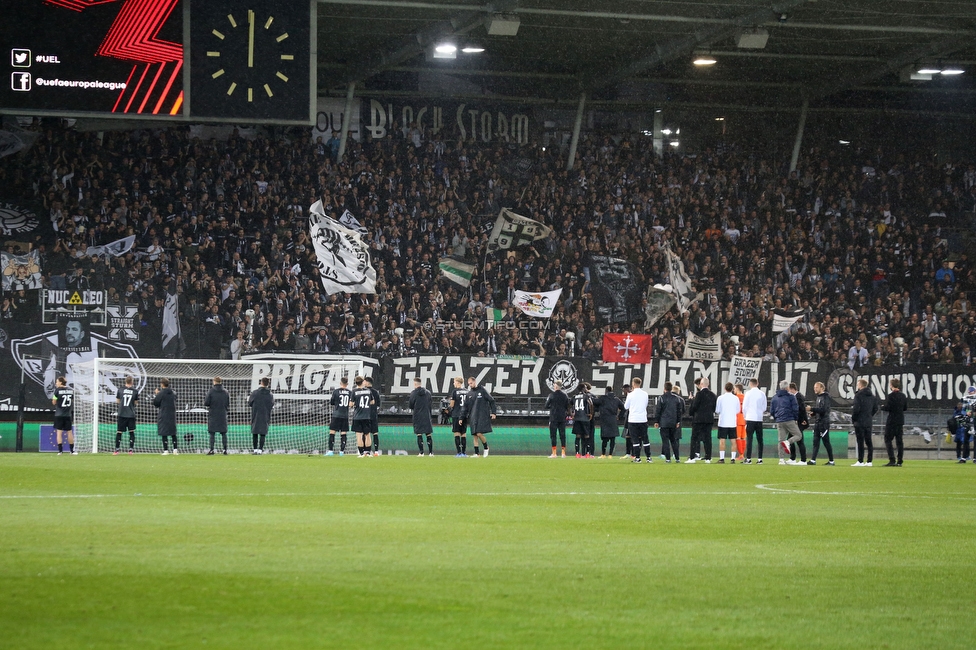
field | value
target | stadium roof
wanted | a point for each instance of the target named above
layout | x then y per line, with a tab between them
841	54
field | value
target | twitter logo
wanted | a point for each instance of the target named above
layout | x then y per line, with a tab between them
20	58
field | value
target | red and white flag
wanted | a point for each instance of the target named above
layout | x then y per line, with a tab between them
627	348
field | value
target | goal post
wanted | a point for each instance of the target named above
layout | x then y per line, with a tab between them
302	386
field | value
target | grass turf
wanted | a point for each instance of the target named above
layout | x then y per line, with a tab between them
396	552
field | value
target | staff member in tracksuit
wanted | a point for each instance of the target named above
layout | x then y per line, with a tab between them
702	412
895	406
608	408
667	417
821	424
558	405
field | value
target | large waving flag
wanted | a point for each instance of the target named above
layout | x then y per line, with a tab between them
456	271
344	262
540	304
683	289
512	230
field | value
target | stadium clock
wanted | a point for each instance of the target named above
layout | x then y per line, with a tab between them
250	60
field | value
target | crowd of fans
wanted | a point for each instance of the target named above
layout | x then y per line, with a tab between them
865	243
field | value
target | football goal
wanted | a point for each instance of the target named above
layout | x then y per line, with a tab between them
302	386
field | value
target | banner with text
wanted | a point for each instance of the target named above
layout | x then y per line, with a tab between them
481	121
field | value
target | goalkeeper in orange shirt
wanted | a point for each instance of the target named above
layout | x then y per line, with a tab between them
740	424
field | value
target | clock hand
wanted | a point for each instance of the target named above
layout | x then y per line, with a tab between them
250	38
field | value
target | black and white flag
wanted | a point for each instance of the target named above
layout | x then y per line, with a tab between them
659	302
171	316
703	348
616	287
512	230
784	320
115	248
683	289
344	261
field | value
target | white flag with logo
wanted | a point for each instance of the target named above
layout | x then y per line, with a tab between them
115	248
344	261
703	348
681	286
538	304
512	230
784	320
352	223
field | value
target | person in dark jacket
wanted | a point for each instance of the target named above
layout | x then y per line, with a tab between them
420	400
821	423
217	403
261	402
862	415
667	417
165	401
479	409
784	409
608	409
895	405
702	412
558	405
802	422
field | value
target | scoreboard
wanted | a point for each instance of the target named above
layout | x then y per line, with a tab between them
183	60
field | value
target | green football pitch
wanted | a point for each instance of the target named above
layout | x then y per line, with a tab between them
399	552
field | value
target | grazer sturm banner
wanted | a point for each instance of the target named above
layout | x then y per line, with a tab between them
533	377
743	369
487	122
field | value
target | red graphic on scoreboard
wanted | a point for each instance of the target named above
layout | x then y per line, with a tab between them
133	36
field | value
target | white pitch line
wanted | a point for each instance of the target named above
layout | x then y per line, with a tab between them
373	494
894	495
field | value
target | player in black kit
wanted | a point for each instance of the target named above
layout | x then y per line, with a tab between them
458	425
63	408
126	398
362	396
340	417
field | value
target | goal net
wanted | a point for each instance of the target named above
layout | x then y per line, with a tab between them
302	387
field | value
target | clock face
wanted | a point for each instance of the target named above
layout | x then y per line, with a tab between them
250	60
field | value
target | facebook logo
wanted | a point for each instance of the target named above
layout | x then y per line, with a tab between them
20	81
20	58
